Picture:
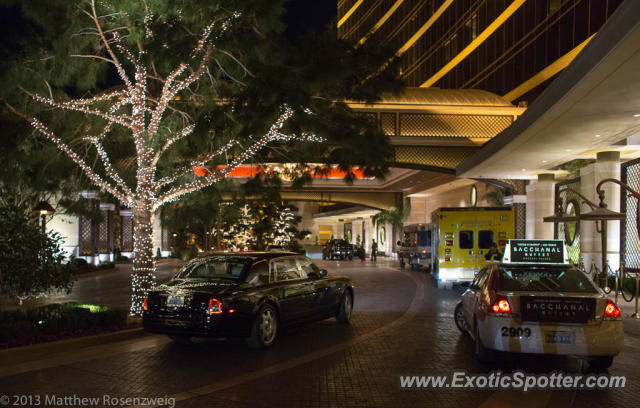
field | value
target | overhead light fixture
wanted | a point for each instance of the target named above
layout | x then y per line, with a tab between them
637	115
524	169
597	135
544	161
567	150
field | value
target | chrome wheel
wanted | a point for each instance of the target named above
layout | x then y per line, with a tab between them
268	326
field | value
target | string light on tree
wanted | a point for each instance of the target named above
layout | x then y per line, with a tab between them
139	110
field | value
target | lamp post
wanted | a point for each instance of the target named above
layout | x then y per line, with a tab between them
43	209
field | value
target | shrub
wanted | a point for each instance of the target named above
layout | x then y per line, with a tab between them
31	261
122	259
52	322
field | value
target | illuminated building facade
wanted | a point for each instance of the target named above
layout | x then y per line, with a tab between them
513	48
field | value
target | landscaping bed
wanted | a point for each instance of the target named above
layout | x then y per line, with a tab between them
59	321
79	266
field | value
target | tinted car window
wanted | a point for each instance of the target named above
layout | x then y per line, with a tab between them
485	239
285	269
259	274
531	279
480	275
307	266
214	268
466	239
424	238
482	279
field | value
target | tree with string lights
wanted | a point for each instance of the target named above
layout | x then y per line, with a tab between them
185	84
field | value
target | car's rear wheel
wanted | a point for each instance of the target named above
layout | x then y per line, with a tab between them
461	322
601	363
346	307
265	328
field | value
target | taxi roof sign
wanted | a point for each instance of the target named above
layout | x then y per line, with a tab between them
535	251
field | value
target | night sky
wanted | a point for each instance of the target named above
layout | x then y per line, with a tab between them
303	15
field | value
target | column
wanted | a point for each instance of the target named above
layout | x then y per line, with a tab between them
606	166
540	204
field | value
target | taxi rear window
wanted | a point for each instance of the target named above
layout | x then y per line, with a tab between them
531	279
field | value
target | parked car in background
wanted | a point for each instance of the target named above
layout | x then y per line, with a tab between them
337	249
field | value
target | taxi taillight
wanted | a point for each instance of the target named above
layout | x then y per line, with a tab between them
144	305
501	305
611	310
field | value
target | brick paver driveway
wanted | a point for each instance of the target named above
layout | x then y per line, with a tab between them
402	325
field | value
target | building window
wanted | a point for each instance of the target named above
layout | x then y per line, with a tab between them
472	26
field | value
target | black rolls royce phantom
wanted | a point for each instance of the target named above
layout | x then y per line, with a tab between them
245	294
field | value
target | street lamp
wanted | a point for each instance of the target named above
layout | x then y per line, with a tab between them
43	209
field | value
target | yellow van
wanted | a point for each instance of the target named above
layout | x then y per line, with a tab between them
463	238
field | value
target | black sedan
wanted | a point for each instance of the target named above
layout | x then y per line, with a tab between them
245	294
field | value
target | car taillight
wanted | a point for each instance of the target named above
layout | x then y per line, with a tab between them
611	310
503	242
144	305
215	307
501	305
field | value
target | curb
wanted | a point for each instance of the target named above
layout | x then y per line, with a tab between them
76	342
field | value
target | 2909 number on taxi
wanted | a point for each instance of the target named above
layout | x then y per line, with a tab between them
515	332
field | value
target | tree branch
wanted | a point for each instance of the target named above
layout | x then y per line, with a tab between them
108	168
184	133
273	134
93	176
115	59
71	105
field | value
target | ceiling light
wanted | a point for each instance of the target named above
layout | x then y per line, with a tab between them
524	169
637	115
567	150
544	161
597	135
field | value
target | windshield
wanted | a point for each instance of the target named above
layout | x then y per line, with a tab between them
532	279
215	268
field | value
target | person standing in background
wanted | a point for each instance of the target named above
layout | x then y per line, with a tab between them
374	250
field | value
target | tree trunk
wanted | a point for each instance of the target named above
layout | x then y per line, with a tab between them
143	277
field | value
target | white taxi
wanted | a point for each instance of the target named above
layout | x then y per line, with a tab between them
536	301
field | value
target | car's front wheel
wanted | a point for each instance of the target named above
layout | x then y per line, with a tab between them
265	328
346	307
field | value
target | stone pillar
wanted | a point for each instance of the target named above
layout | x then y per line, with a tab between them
540	204
606	166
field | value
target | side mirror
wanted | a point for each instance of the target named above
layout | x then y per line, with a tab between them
322	273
